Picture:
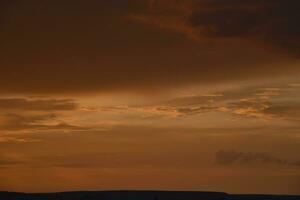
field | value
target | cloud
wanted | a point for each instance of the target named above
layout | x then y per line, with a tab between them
12	139
23	104
196	110
158	110
267	103
229	157
91	47
265	109
30	122
272	22
289	110
250	108
35	113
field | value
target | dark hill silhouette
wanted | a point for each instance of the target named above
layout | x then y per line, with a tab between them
139	195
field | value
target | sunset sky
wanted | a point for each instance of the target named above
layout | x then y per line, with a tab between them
150	94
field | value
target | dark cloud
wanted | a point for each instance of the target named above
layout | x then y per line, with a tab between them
60	47
23	104
229	157
21	122
287	110
270	21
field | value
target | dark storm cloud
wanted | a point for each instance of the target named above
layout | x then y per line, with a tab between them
229	157
23	104
90	46
271	21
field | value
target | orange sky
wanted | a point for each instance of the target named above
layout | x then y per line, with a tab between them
160	94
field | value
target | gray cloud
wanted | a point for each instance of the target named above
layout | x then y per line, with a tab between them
229	157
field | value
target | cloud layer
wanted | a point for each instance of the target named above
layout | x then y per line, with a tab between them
23	104
98	46
32	114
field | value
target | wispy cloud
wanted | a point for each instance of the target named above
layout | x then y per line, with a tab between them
26	104
230	157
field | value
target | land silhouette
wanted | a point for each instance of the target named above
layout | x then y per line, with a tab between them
140	195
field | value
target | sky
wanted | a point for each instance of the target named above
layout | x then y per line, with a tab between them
150	94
